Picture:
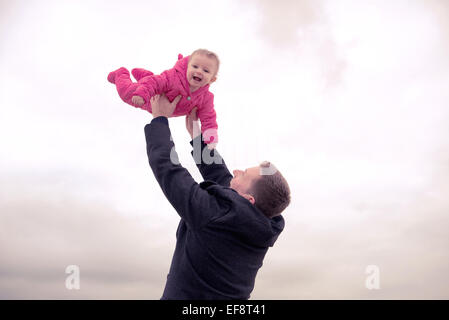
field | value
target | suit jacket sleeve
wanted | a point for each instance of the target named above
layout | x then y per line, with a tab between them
210	163
193	203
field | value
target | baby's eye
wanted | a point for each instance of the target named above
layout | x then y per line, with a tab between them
207	71
196	67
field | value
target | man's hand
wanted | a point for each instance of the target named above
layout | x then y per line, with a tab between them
162	107
138	101
192	124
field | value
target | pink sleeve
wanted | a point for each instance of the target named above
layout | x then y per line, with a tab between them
208	118
152	85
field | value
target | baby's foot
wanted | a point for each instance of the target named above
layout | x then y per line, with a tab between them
112	75
139	73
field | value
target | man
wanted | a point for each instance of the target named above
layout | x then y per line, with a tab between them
227	223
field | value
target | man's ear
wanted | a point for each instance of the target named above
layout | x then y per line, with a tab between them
250	198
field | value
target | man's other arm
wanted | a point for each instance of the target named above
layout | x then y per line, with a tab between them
210	163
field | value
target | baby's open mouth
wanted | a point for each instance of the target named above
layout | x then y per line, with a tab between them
196	78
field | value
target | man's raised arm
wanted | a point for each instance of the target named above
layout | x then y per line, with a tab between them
209	162
192	202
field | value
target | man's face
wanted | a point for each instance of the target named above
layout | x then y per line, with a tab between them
243	180
201	71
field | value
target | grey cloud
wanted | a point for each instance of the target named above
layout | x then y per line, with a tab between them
440	9
298	26
407	240
283	19
6	8
440	12
123	257
41	235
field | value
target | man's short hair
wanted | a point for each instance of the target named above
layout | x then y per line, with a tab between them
270	191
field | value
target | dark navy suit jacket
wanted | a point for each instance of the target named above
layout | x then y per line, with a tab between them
222	238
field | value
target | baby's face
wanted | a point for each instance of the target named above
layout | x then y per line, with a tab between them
201	71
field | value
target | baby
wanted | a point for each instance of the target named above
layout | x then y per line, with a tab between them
190	78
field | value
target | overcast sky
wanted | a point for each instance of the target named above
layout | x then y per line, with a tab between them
349	99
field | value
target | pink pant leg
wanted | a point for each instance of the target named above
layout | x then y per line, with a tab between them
125	86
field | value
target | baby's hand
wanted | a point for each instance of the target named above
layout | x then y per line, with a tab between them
211	146
138	101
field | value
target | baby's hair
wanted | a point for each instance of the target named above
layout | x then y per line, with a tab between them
207	53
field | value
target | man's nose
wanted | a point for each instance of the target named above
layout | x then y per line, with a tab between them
236	172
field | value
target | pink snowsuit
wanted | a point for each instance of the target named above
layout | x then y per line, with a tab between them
172	82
